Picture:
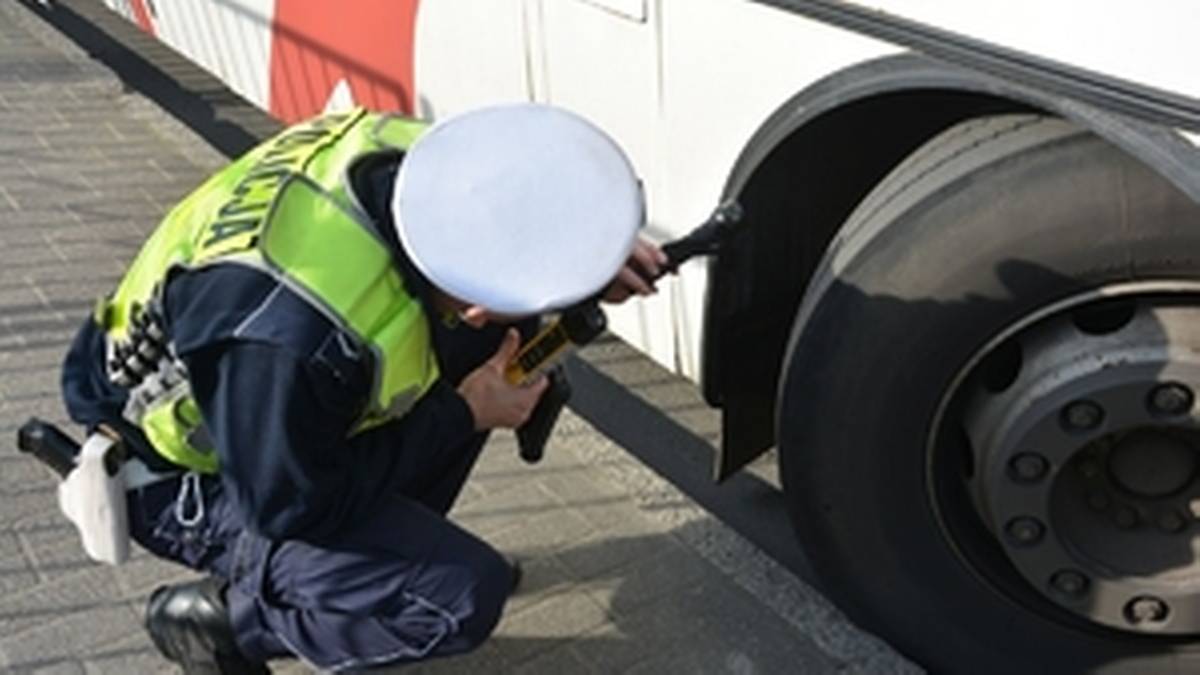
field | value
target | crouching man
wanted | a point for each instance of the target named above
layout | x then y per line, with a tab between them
307	355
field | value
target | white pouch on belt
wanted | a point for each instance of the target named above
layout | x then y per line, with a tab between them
94	500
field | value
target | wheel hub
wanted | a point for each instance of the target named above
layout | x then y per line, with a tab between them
1087	464
1149	463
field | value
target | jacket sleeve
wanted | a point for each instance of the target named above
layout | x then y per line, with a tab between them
281	427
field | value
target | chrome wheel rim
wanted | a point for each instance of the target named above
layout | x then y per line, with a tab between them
1081	437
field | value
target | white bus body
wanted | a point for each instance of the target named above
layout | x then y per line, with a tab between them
682	85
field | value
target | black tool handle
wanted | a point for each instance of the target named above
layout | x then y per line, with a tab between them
48	444
584	323
706	239
533	435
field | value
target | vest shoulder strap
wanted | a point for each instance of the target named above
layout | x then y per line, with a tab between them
364	293
254	182
296	248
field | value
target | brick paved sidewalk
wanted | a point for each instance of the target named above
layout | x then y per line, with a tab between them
624	574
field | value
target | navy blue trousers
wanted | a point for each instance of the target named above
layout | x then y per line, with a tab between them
404	585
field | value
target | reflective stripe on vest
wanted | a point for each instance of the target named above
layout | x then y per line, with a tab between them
285	208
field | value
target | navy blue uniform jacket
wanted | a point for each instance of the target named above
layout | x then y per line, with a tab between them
280	419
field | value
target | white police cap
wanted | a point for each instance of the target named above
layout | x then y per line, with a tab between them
519	208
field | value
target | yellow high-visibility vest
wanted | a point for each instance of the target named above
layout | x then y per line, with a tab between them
285	208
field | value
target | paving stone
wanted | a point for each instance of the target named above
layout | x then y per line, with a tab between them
132	207
21	508
607	511
705	658
7	202
560	660
165	196
103	272
177	168
37	333
22	474
11	141
72	635
60	668
31	189
142	660
77	231
542	576
503	469
541	533
496	509
18	297
655	577
738	633
30	320
123	249
38	386
56	553
615	649
548	625
603	552
573	486
91	136
30	255
44	361
134	174
78	594
640	634
16	570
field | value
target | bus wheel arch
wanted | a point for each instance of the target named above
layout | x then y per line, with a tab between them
805	170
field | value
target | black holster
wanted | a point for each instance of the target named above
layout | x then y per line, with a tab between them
532	436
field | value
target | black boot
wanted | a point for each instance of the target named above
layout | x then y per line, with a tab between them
189	623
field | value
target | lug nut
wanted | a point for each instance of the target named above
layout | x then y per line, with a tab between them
1171	398
1082	416
1170	522
1126	518
1025	530
1069	582
1098	501
1089	468
1146	609
1028	467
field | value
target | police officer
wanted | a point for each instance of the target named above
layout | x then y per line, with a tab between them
306	357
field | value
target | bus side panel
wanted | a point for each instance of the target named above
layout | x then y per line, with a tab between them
1152	42
294	59
472	52
719	87
231	40
682	84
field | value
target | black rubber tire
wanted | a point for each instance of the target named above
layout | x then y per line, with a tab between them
991	220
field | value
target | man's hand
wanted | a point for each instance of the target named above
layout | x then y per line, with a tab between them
645	257
493	401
